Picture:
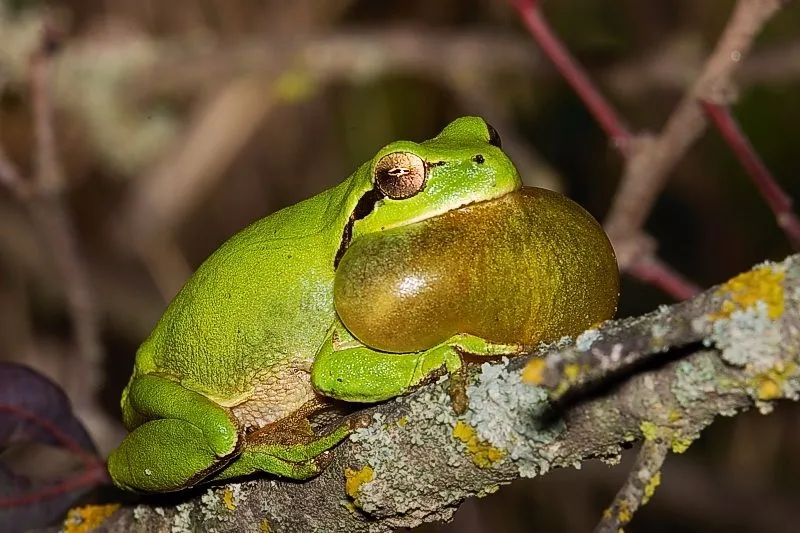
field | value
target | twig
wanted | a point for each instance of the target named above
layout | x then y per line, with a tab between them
676	65
647	171
555	50
651	269
779	202
642	480
568	373
634	251
52	215
42	196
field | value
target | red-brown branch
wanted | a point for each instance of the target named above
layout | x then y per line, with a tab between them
573	73
779	202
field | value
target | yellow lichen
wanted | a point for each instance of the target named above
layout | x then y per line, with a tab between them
533	373
769	384
651	487
355	478
264	526
680	445
85	519
483	454
572	372
762	284
402	421
650	431
228	499
624	512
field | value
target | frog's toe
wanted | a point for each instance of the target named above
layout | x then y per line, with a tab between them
162	455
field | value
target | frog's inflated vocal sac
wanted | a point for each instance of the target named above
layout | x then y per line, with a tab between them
427	252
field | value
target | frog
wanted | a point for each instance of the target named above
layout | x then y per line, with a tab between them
251	347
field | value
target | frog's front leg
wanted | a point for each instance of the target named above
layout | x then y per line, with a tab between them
185	437
345	369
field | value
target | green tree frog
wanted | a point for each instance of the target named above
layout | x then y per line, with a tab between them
359	294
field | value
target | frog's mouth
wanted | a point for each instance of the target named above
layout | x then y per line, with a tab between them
369	200
366	205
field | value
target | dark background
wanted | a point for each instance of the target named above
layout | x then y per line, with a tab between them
136	79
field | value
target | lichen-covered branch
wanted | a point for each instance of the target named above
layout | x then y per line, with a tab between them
728	349
642	482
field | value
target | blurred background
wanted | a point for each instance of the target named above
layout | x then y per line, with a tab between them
178	123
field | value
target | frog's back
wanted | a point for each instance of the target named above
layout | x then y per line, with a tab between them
263	300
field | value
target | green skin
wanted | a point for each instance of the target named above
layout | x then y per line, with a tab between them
252	344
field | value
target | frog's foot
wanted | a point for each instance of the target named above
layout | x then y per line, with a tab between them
270	450
185	437
162	456
470	346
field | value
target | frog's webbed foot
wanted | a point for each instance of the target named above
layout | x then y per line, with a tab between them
185	438
288	447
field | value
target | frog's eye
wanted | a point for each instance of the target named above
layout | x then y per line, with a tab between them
400	175
494	137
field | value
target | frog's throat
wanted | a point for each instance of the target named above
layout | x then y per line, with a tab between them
366	205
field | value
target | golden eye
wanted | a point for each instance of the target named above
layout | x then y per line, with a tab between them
400	175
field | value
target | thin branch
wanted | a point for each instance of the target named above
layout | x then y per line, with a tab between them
676	64
573	73
642	480
651	269
779	202
634	252
54	219
647	172
43	198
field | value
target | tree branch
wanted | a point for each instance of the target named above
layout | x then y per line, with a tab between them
728	349
648	169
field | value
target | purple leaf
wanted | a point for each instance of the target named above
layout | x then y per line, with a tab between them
35	411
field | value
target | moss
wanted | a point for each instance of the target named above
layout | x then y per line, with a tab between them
85	519
182	519
534	374
585	340
572	372
694	380
263	526
484	455
355	478
214	503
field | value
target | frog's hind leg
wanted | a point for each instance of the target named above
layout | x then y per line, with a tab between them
184	437
288	447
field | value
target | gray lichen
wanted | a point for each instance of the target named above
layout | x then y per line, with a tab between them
504	412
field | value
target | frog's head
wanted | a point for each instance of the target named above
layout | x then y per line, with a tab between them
409	181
